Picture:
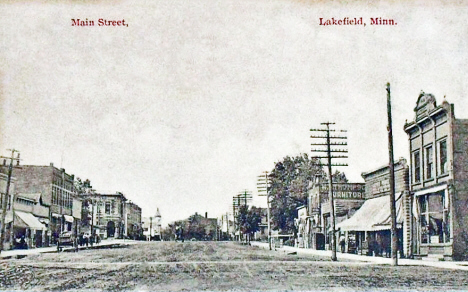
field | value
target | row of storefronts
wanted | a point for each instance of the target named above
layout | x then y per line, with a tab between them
43	203
430	192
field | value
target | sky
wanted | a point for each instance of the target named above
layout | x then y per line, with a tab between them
185	107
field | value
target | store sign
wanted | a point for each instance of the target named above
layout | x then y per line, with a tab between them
345	191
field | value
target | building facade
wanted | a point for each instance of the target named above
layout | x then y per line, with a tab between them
348	197
133	221
109	215
438	145
44	202
152	226
368	230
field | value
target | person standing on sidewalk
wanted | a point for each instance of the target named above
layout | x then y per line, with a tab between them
342	243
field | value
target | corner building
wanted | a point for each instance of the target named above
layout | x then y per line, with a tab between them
438	144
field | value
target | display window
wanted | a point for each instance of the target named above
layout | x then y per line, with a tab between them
434	218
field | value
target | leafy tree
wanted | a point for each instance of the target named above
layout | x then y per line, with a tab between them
290	182
339	177
249	220
82	189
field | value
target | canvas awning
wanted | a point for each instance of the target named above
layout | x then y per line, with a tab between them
374	215
8	216
68	218
28	220
32	197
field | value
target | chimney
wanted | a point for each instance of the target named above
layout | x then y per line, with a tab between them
206	214
51	164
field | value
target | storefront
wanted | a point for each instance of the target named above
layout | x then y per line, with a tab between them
438	184
367	232
28	232
432	222
348	197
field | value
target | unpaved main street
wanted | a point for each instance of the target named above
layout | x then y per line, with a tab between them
175	266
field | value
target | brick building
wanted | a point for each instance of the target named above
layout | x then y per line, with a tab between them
133	221
108	214
45	199
438	144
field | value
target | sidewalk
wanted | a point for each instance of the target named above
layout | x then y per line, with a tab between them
377	260
18	253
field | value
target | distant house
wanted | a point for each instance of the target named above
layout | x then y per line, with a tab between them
152	226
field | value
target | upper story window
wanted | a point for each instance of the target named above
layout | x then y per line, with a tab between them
443	157
429	162
417	166
108	208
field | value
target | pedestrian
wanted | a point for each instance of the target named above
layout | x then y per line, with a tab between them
342	243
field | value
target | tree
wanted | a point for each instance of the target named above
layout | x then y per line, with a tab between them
339	177
82	189
249	220
290	182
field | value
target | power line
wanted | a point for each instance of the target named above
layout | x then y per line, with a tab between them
330	144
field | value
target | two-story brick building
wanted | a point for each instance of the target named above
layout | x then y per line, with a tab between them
438	145
44	203
109	214
133	221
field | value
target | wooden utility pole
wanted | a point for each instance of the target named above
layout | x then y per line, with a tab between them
263	190
330	151
246	197
392	181
151	228
6	197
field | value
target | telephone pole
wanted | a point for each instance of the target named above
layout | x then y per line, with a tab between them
392	181
330	143
237	201
263	185
6	196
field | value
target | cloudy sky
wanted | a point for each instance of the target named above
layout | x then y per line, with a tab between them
183	108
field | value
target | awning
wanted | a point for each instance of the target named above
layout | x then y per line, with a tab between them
68	218
374	215
33	197
44	221
28	220
8	217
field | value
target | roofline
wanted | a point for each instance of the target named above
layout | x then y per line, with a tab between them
400	160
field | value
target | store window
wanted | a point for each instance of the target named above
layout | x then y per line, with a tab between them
434	219
429	162
417	166
443	157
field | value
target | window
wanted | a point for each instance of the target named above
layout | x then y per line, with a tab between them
54	195
443	157
108	208
429	162
417	166
434	220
